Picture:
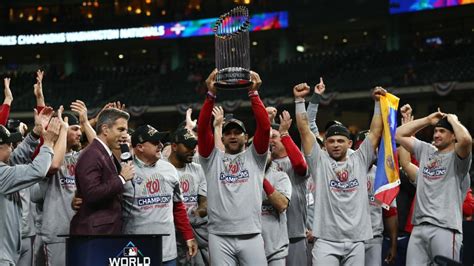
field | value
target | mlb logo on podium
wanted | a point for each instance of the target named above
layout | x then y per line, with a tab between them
130	251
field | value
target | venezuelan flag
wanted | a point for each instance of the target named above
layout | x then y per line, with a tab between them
387	178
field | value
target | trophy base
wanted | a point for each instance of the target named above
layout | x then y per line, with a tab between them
233	78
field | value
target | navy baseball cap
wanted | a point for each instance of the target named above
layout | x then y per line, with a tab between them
147	133
337	129
443	122
233	123
184	136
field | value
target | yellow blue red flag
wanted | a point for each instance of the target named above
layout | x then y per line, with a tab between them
387	178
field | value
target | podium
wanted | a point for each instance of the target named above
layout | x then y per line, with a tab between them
114	250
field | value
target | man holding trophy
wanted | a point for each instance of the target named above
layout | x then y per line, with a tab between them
235	176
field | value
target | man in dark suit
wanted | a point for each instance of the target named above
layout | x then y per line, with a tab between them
98	181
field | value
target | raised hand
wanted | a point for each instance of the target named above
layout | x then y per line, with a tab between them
190	123
377	92
211	81
272	112
42	120
452	118
320	87
218	114
64	122
435	117
301	90
256	81
38	86
51	135
406	113
285	122
80	108
7	91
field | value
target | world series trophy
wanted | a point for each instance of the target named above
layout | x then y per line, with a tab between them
232	46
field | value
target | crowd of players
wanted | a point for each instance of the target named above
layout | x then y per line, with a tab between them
225	198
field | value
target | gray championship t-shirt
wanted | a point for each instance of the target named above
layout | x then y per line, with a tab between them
234	191
57	211
274	228
193	184
341	200
148	207
297	211
441	186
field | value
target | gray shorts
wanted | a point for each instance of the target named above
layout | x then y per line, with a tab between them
338	253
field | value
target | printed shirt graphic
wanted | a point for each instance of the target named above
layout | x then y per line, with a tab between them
148	207
274	229
342	212
57	211
234	191
441	185
192	183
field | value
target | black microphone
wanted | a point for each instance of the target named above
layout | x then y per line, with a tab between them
126	156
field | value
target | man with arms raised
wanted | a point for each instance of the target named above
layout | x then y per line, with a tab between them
441	185
341	216
234	181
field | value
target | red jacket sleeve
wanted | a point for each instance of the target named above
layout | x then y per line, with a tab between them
468	205
181	220
295	156
261	138
205	135
4	114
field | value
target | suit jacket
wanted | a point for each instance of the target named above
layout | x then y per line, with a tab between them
100	188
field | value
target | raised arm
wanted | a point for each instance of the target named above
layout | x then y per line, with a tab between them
307	137
60	145
313	106
7	102
405	132
205	136
15	178
376	126
405	156
261	138
463	145
294	154
38	89
218	114
81	109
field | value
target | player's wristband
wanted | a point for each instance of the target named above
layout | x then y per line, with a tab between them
253	93
316	98
377	108
269	189
211	95
300	107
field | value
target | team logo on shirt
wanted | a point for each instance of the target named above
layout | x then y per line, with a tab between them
234	171
155	194
188	189
433	169
343	183
67	177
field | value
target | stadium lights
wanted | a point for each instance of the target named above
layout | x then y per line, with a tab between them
300	48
